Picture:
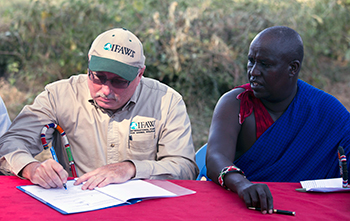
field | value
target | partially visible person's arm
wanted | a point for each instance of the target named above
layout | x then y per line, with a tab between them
221	150
5	121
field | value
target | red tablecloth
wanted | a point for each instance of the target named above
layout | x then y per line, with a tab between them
210	202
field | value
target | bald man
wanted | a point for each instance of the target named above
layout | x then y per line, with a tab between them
276	128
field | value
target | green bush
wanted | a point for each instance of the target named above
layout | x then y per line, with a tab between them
197	47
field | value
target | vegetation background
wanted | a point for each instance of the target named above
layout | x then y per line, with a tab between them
198	47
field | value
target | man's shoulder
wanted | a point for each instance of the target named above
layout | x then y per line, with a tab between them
231	95
74	81
228	103
236	91
155	85
316	99
314	94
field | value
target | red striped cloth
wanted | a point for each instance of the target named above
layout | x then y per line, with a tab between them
250	103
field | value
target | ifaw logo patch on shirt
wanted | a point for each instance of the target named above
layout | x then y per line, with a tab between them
142	125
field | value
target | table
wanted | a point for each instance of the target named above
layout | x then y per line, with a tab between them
210	202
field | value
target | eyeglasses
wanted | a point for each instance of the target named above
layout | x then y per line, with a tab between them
102	79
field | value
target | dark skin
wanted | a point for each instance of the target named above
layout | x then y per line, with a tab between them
272	72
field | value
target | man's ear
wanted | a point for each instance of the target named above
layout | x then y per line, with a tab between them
142	71
294	68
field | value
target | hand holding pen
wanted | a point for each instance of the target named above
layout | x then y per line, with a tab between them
278	211
47	174
54	156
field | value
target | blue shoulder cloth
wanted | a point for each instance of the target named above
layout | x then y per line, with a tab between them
302	144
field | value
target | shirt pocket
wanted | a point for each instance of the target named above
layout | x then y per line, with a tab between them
142	146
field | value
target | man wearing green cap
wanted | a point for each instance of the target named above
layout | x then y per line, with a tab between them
120	125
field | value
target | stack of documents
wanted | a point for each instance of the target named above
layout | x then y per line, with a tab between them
323	185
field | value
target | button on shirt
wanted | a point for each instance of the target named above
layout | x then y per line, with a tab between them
152	130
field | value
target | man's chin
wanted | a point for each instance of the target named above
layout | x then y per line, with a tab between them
107	105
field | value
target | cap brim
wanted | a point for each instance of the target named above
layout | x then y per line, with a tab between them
121	69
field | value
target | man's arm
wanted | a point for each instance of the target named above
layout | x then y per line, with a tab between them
221	151
22	142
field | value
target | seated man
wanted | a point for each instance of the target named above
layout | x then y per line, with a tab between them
276	128
120	125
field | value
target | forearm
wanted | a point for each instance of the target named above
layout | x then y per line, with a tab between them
17	149
14	162
167	168
233	180
215	163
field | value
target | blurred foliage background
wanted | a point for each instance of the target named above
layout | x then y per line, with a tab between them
198	47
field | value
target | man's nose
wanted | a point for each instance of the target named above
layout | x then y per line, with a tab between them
254	71
106	88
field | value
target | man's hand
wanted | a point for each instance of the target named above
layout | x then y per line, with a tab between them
48	174
256	195
111	173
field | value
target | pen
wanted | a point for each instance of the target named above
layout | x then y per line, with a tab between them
53	153
285	212
303	190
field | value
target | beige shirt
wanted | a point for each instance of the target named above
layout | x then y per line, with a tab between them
152	130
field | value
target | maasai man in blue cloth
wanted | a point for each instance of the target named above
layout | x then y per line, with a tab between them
276	128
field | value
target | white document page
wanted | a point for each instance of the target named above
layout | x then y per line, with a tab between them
135	189
73	199
324	185
330	183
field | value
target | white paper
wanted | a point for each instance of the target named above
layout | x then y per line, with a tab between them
135	189
75	200
324	185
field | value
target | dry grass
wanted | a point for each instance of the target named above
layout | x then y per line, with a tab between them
12	97
341	91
